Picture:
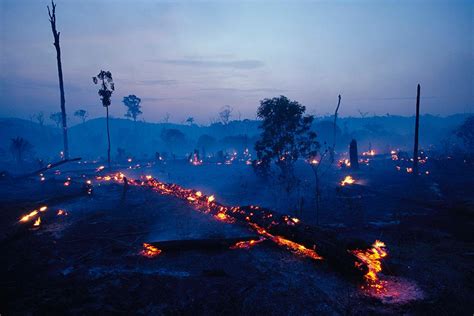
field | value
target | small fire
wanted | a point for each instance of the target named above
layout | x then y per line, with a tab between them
29	216
247	244
347	180
372	258
409	170
100	168
62	213
211	199
67	183
297	248
37	222
369	153
43	208
150	251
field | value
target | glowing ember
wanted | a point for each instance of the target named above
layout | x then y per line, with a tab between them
369	153
37	222
297	248
100	168
247	244
150	251
67	183
409	170
43	208
29	216
347	180
210	198
372	259
62	213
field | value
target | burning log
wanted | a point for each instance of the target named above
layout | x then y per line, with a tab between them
285	231
202	244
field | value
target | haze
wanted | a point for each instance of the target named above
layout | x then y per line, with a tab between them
192	58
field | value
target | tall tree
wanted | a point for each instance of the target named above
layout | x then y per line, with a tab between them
417	127
52	20
132	102
82	114
106	89
333	148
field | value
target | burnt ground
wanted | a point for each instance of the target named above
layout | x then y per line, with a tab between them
89	261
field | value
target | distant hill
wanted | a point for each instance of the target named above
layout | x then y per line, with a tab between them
142	139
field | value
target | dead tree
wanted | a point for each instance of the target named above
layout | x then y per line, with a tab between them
353	155
333	149
52	20
417	126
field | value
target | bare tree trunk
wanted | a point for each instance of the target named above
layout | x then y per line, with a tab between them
333	149
417	126
52	19
108	137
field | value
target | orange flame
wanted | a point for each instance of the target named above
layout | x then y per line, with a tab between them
372	259
247	244
150	251
27	217
347	180
37	222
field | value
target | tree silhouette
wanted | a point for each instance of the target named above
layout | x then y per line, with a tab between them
171	137
107	87
204	143
19	147
56	118
40	118
190	120
82	114
466	132
132	102
354	155
225	114
52	20
285	135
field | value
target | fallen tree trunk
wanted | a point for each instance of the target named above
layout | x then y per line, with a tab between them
201	244
335	249
49	166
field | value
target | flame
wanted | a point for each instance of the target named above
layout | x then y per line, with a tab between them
369	153
372	259
62	212
247	244
150	251
347	180
100	168
29	216
43	208
210	198
297	248
37	222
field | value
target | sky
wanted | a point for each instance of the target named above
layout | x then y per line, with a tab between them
190	58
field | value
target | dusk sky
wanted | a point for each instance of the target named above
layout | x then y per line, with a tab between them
190	58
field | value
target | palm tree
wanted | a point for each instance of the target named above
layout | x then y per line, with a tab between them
105	92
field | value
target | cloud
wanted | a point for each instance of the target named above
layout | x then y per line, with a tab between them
269	90
235	64
155	82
